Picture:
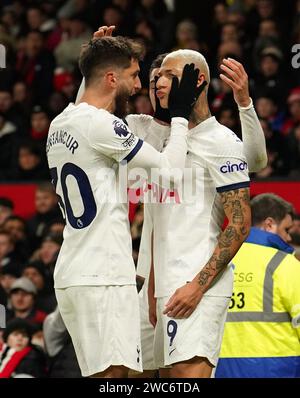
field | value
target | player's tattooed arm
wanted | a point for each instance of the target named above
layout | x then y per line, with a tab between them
236	205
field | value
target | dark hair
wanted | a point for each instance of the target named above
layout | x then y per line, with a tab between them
157	62
6	202
6	233
106	52
31	147
46	187
16	218
270	205
20	325
39	266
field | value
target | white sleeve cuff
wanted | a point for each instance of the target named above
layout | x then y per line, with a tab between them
245	108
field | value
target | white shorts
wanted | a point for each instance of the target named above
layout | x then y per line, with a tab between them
199	335
104	324
147	331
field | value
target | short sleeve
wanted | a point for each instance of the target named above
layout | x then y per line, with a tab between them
227	165
111	136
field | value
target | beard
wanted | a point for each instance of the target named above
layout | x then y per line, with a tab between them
121	103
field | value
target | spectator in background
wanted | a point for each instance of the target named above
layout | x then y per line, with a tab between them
6	209
35	66
64	83
8	110
16	227
57	102
47	210
229	117
8	275
40	123
187	37
222	96
56	227
220	17
294	110
37	19
37	273
10	21
229	33
30	164
268	36
22	103
294	151
270	77
157	13
268	109
8	145
18	356
48	252
8	255
113	15
231	49
277	151
23	303
66	53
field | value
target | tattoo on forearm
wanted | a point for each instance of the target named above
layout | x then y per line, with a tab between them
230	234
224	258
236	204
238	217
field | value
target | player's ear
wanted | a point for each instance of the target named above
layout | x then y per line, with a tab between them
268	224
111	79
201	79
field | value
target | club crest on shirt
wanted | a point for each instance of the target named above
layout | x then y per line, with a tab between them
120	128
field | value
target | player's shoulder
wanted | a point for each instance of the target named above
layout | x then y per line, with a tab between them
141	118
138	124
222	140
106	124
225	135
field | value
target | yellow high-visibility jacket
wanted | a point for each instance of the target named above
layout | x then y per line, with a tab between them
262	330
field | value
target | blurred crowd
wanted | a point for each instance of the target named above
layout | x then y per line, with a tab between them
43	41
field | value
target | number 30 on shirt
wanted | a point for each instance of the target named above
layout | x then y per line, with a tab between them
86	193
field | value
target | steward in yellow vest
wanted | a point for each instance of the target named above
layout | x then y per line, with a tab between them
262	331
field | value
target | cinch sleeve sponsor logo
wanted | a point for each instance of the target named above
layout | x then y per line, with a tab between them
233	167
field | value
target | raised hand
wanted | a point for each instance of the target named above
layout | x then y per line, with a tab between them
237	79
104	31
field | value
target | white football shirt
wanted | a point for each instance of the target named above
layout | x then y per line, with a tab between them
84	146
185	234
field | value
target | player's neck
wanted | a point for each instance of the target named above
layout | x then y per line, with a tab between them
97	100
200	113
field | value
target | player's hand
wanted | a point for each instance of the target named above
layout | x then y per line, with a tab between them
237	79
104	31
160	113
152	310
184	301
184	94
